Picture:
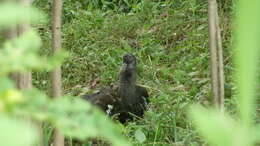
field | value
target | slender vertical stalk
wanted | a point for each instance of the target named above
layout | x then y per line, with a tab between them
221	77
10	34
24	79
216	59
56	74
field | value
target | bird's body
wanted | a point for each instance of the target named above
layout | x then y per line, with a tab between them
124	99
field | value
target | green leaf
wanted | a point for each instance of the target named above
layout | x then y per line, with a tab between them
21	54
5	84
56	59
16	133
74	117
13	14
140	136
247	53
217	128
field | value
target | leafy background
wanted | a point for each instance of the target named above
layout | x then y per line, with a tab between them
170	40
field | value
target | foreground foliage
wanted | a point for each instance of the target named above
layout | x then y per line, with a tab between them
220	129
20	110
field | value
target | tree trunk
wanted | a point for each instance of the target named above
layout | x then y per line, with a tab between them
24	79
215	46
10	34
56	74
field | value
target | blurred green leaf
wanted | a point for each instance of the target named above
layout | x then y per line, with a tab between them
56	59
16	133
13	14
5	83
213	125
247	54
21	54
74	117
216	127
219	129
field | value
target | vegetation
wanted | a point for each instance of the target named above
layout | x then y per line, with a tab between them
219	128
170	40
22	109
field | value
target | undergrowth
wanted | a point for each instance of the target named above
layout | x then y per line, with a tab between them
170	40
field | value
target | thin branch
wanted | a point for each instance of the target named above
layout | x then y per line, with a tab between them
215	46
56	74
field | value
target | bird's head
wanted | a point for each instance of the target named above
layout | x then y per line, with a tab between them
129	59
128	70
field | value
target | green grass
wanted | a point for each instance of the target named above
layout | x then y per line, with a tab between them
173	60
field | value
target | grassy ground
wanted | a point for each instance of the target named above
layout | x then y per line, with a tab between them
170	40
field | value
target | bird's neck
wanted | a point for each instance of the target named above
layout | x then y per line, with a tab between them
127	84
127	80
128	75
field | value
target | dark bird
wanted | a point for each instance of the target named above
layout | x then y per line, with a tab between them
126	99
